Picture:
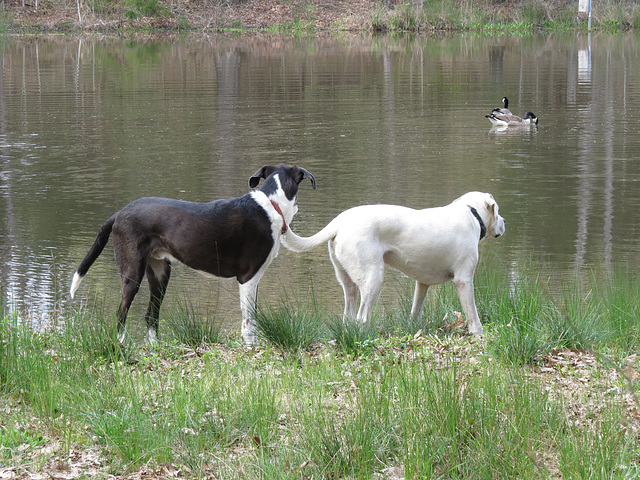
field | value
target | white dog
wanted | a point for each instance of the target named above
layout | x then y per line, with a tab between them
432	246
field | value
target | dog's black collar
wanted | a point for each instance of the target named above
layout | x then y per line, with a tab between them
483	229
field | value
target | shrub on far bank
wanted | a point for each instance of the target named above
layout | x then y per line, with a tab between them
505	16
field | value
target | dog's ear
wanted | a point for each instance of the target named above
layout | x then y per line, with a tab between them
301	174
491	204
264	172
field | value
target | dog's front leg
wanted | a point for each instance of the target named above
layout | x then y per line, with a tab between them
248	296
467	299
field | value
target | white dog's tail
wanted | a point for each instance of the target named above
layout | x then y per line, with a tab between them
293	242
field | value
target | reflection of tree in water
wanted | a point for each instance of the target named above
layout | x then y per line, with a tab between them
595	189
8	222
228	64
496	62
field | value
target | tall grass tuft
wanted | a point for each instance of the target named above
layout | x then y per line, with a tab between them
459	425
251	412
350	447
289	329
618	300
128	433
95	335
351	336
603	451
405	19
519	343
529	315
519	315
16	354
191	328
33	366
579	322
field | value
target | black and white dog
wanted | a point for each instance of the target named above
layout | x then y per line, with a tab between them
237	237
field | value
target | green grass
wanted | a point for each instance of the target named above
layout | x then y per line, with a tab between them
188	327
550	392
290	328
497	16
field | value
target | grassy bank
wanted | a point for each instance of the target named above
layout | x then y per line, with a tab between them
508	17
309	17
551	392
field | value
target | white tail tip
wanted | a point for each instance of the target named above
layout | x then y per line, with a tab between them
77	278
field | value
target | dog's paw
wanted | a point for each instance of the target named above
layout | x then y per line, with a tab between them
250	341
475	330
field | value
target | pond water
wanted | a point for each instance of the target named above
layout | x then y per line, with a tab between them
88	125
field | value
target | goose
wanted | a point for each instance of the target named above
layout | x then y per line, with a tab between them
501	119
505	110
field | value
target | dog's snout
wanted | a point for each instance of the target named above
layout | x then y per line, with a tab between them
501	227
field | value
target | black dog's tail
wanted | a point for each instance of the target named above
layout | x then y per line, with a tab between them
93	253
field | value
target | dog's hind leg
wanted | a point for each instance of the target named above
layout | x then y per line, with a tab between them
464	286
158	274
419	295
348	285
132	263
131	278
370	288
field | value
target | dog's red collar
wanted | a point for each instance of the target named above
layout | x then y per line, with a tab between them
284	222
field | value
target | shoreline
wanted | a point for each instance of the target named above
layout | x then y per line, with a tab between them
312	17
